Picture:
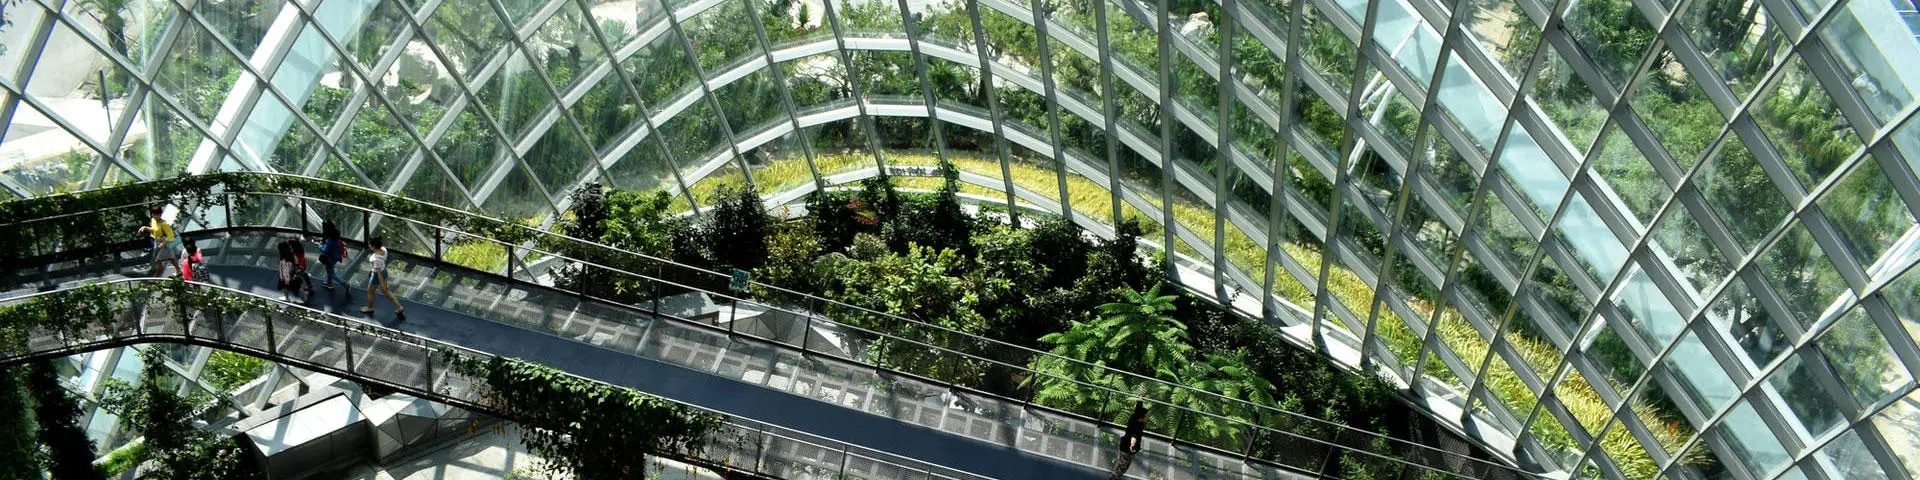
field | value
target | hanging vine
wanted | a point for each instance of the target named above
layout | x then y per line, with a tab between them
584	428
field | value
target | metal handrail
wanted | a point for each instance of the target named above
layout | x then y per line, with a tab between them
431	346
1336	428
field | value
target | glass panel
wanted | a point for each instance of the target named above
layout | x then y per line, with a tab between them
1871	48
841	147
780	165
566	47
1505	31
518	199
1866	211
1756	446
1860	357
468	32
663	73
818	81
1806	281
717	37
1630	176
1806	396
561	159
1671	104
1899	423
1850	456
199	73
752	105
1329	52
377	144
606	112
644	167
243	24
1751	325
1614	34
1740	39
1568	102
1686	244
469	147
1735	185
1806	126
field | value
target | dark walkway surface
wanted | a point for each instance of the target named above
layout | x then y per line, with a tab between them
614	345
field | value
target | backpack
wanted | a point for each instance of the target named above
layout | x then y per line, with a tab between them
333	251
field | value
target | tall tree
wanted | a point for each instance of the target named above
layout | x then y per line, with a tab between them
16	428
70	453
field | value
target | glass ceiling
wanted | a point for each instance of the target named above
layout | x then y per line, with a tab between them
1607	238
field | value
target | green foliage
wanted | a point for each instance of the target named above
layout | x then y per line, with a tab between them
164	419
583	428
68	452
18	442
735	232
227	371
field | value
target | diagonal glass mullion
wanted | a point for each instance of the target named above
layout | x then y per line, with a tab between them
556	102
646	113
706	89
364	81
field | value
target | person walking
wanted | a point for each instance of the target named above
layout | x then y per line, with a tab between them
377	279
166	242
288	285
1130	441
192	262
333	251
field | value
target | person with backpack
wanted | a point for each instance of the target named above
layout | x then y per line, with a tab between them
377	279
166	242
333	251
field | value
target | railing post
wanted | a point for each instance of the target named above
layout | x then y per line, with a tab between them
303	216
438	235
1327	460
509	249
806	333
347	334
1106	402
226	203
733	316
272	346
843	462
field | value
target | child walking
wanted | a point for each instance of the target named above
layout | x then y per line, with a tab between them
287	285
166	243
300	276
377	280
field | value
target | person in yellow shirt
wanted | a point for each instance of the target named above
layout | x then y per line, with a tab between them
166	243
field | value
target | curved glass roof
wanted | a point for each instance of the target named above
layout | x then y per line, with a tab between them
1609	238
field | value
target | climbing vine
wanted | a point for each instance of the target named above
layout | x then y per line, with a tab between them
584	428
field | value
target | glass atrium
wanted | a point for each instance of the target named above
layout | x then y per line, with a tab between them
1605	238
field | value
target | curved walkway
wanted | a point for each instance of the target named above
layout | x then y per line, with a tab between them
705	366
345	347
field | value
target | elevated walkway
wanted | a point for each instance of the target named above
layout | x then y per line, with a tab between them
726	361
328	343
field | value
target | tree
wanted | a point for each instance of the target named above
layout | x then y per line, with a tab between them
16	428
69	453
736	233
164	418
